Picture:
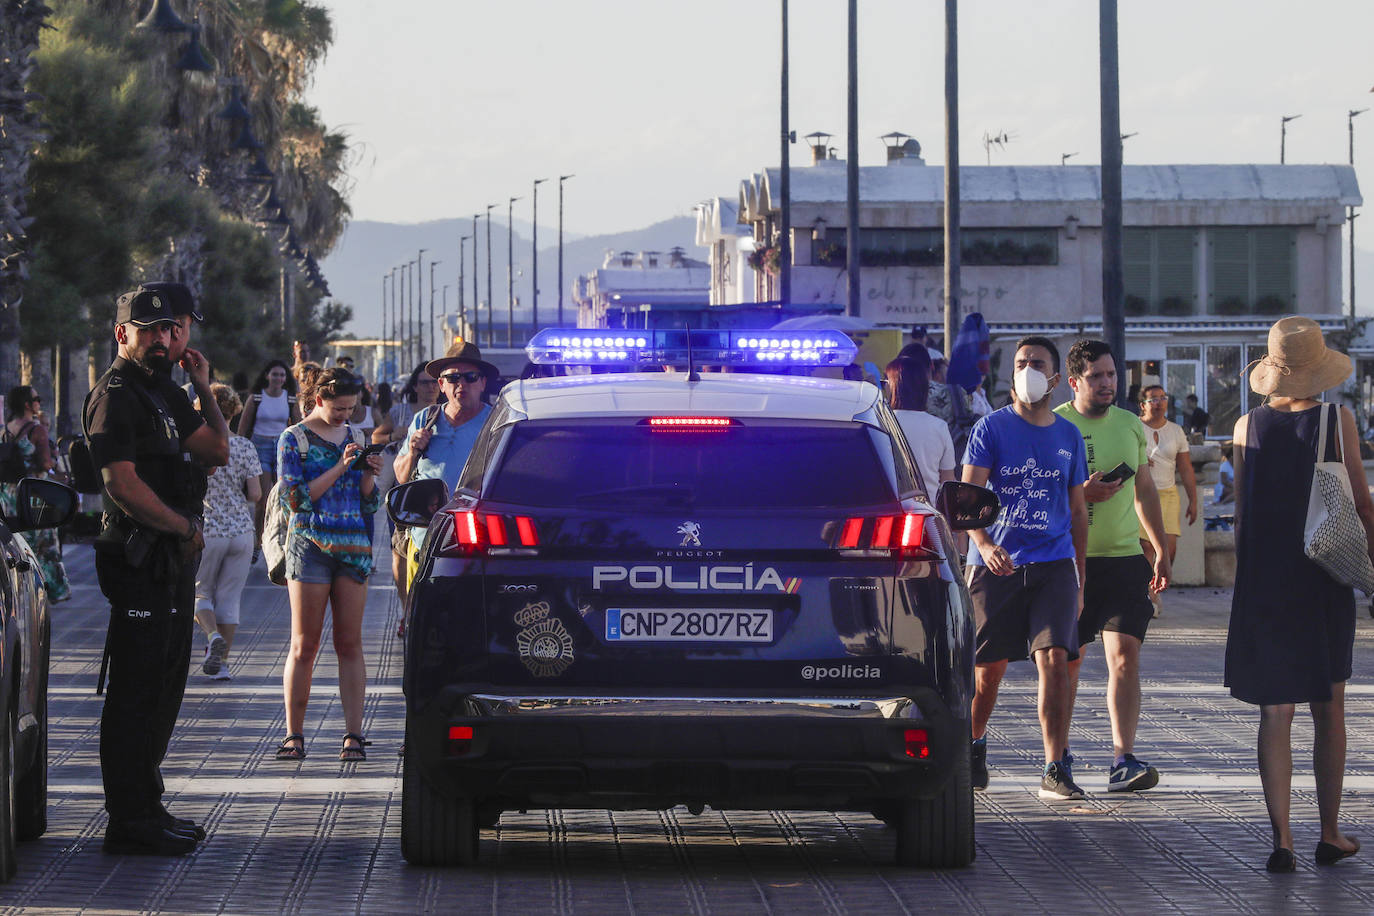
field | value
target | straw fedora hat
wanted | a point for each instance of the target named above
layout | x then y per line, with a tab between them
1299	363
462	351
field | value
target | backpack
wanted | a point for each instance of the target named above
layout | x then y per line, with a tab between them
13	467
277	521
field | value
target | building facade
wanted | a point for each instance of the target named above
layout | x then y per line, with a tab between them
1213	254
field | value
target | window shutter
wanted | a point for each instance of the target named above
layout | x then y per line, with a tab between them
1230	270
1175	283
1274	255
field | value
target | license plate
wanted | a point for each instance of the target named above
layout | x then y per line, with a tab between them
665	624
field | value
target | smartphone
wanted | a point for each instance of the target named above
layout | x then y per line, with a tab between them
360	463
1122	471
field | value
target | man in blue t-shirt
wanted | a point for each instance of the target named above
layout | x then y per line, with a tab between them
1025	571
440	437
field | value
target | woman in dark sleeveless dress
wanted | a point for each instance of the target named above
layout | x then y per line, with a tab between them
1292	627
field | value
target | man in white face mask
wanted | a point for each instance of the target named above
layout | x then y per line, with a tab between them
1024	571
1121	496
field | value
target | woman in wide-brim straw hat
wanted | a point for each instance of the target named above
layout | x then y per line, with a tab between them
1292	628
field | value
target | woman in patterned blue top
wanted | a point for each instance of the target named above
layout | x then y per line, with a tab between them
328	552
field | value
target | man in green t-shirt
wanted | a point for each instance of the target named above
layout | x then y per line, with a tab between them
1121	496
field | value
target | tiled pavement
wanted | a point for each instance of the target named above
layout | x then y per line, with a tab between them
324	837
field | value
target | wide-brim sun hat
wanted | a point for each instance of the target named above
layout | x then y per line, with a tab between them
461	351
1299	363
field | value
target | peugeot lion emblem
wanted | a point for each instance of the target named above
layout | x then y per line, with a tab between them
691	534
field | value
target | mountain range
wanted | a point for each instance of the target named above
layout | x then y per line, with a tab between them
368	250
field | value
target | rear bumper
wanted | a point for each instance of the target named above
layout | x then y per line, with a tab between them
837	752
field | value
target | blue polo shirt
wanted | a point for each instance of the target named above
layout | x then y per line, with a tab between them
447	451
1030	469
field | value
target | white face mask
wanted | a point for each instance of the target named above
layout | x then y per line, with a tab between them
1031	385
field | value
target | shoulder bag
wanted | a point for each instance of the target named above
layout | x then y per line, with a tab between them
1334	538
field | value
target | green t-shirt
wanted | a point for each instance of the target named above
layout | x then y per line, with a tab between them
1113	528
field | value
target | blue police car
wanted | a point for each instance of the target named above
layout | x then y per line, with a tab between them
662	588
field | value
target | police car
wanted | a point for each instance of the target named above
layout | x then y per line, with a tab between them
654	589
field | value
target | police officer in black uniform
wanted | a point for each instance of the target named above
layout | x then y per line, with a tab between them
143	434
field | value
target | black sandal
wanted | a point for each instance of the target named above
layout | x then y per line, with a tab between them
289	750
349	753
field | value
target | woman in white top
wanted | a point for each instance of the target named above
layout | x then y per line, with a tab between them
908	392
1167	447
271	408
231	496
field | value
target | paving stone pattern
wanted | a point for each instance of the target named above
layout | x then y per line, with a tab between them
322	836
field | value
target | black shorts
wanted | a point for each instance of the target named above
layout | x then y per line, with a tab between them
1116	598
1036	607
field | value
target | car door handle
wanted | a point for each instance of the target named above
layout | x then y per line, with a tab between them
18	563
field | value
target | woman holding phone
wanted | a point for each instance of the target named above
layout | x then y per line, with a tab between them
329	485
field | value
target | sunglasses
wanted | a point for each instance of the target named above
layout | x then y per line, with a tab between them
1163	400
454	378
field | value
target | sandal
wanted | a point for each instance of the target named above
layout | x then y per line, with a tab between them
289	750
355	751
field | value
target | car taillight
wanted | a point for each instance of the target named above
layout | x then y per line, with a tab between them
917	742
685	424
460	740
903	533
477	532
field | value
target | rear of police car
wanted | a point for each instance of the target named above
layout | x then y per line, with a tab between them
669	588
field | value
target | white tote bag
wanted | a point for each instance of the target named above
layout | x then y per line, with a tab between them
1334	537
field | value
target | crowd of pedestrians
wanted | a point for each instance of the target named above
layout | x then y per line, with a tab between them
1082	548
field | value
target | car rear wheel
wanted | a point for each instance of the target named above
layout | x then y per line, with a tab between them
938	832
31	789
435	829
8	863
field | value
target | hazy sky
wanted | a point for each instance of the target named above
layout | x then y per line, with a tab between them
454	104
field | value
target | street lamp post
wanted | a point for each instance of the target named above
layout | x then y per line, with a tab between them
402	338
491	331
1065	157
1283	135
476	297
561	179
391	334
419	305
462	306
382	335
510	271
1350	126
432	352
534	253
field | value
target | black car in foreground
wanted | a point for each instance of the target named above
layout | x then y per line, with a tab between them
24	667
653	590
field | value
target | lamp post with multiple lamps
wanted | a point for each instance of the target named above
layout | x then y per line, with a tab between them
510	272
561	179
1350	126
534	254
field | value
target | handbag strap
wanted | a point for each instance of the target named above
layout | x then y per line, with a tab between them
1329	434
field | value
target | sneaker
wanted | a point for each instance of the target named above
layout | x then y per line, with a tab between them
1132	775
1057	784
979	764
223	675
214	654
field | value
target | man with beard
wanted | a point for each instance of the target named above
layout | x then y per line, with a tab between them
1121	496
1024	572
142	432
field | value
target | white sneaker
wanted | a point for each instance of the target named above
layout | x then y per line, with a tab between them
223	675
214	654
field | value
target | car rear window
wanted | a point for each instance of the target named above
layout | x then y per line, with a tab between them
761	465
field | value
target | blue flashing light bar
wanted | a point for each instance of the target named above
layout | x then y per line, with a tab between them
709	347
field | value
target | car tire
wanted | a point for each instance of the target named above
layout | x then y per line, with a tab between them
938	832
435	829
8	863
31	789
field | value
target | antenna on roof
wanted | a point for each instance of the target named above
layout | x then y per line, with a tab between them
692	374
999	140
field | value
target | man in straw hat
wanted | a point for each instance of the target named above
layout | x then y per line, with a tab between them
1292	630
440	437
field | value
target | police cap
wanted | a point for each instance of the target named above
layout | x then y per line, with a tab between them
154	302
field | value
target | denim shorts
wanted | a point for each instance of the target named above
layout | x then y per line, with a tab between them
267	453
306	562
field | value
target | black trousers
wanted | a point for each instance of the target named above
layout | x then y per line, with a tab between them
149	641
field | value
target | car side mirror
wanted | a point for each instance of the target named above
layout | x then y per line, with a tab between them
412	505
42	504
967	506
